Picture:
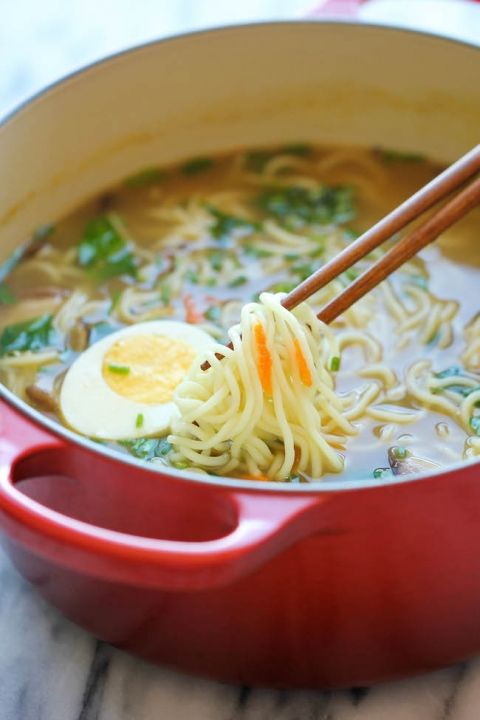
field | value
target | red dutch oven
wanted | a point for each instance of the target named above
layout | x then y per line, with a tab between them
325	585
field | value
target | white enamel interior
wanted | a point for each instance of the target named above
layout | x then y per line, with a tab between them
233	87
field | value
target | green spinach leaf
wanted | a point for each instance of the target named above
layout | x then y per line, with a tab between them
224	224
196	165
213	313
296	206
455	371
147	448
104	252
31	335
475	424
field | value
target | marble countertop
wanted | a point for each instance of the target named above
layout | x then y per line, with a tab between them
50	669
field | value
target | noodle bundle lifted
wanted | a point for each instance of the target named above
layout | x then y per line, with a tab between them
267	407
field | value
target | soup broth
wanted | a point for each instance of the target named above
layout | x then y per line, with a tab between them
193	243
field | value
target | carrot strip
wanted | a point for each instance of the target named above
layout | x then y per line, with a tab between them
264	359
304	370
192	315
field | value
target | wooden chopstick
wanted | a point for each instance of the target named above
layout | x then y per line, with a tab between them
405	249
450	179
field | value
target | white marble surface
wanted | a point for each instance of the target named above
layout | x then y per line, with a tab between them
52	670
49	669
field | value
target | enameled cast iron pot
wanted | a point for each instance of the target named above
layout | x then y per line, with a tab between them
325	585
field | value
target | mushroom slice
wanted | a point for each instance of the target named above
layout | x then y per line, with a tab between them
402	462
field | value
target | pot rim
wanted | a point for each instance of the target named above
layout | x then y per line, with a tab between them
18	107
63	432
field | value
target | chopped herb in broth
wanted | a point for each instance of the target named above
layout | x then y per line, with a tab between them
382	473
226	225
148	176
6	295
300	149
335	363
104	252
119	369
393	156
475	425
256	160
213	313
196	166
193	242
43	232
298	206
283	287
31	247
147	448
30	335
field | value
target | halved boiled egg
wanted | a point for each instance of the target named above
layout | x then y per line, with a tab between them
122	386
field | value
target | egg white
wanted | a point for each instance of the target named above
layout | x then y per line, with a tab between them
92	408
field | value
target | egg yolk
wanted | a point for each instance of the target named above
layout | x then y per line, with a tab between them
147	368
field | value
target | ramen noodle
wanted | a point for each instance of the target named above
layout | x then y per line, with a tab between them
107	316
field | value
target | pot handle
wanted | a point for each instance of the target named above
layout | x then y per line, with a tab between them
337	8
266	524
348	9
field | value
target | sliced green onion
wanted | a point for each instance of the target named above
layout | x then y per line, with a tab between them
475	424
283	287
240	280
350	234
381	473
115	300
165	294
335	363
304	270
192	276
215	259
139	420
181	464
317	253
118	369
147	176
351	274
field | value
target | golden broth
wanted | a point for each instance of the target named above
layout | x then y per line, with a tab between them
197	240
